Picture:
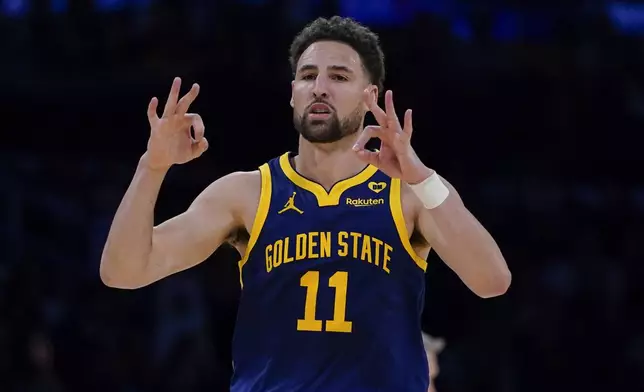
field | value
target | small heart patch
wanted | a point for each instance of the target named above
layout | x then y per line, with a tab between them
377	186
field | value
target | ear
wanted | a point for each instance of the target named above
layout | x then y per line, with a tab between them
292	103
373	92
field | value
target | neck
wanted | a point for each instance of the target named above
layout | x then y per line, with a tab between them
328	163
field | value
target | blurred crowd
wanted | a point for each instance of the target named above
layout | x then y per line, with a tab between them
538	137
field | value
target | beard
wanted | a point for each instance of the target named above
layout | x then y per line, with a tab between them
330	130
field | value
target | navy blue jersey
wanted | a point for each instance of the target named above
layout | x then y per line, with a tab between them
332	291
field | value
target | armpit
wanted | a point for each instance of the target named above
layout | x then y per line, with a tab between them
238	237
417	240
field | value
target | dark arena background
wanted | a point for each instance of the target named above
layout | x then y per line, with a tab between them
532	109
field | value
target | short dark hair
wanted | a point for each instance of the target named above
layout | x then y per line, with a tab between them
347	31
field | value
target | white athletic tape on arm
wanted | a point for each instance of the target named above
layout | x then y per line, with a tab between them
431	192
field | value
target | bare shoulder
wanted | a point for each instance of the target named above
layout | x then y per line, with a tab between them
239	191
234	186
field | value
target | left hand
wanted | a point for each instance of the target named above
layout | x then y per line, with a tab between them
396	157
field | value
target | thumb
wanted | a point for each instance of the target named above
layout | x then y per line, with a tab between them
152	109
199	147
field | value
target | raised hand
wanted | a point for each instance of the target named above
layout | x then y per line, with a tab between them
170	139
396	157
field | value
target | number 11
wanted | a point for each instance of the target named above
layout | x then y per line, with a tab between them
339	281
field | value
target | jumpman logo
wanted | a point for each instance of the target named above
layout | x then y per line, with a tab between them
290	205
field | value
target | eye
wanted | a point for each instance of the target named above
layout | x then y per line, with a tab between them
308	77
339	78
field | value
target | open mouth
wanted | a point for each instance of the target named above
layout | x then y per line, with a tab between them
319	111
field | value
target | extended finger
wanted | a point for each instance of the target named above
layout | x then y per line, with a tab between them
197	124
367	134
378	113
408	127
391	110
152	109
171	103
187	100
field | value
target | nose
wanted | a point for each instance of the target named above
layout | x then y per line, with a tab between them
320	88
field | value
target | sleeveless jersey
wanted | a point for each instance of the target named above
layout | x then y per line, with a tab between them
332	291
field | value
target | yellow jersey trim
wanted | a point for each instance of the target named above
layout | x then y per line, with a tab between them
260	215
323	197
395	202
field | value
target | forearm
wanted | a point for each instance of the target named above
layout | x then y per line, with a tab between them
129	242
466	246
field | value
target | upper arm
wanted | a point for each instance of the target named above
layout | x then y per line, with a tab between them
191	237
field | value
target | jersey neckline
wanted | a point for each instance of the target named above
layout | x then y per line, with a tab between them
324	198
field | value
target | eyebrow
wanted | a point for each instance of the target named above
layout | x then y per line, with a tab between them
311	67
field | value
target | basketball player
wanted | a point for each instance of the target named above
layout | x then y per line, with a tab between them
333	238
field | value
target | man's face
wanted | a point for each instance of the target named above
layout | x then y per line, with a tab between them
328	92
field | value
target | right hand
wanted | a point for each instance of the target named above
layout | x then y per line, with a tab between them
170	139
